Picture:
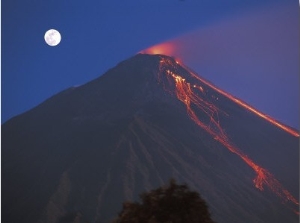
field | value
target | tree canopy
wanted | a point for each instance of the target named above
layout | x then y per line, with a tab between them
172	203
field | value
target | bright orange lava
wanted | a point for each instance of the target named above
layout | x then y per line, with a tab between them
190	95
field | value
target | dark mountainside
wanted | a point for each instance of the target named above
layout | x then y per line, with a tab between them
77	156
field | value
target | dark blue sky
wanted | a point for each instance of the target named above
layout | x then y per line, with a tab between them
96	35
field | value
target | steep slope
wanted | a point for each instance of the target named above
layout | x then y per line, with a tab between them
80	154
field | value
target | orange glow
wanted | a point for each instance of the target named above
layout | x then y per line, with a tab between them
165	48
190	95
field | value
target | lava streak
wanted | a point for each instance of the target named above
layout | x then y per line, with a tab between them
192	95
246	106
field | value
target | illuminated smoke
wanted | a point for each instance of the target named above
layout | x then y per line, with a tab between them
257	51
163	48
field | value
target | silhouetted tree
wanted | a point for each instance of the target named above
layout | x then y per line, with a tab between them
172	203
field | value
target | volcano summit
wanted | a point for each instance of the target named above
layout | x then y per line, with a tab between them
77	156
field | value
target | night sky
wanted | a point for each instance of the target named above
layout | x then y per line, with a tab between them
249	48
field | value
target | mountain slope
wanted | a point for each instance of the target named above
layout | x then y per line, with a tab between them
80	154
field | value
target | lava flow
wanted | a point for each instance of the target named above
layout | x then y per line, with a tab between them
193	96
246	106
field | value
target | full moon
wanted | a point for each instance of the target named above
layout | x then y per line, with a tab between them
52	37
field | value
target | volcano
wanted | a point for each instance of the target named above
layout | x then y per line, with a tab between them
83	152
